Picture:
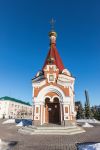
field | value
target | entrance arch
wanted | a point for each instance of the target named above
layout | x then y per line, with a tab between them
52	110
40	100
51	88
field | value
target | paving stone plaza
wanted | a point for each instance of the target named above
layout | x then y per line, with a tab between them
20	141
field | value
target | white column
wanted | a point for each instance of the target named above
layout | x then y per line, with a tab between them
44	113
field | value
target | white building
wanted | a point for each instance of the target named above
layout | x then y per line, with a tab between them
14	108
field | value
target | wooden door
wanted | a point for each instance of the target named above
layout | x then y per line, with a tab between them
53	112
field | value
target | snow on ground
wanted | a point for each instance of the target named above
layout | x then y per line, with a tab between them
4	145
20	124
9	121
89	146
88	120
87	125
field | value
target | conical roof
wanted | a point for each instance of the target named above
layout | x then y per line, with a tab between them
53	57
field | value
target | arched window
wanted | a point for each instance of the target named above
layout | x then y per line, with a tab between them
56	100
47	100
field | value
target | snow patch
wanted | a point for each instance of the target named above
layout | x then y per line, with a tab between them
88	120
9	121
89	146
4	145
87	125
20	124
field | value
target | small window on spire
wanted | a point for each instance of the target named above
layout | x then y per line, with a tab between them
51	77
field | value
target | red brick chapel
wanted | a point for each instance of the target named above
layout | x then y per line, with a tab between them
53	90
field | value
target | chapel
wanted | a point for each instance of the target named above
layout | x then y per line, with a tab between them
53	90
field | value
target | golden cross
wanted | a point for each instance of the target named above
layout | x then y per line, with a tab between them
52	23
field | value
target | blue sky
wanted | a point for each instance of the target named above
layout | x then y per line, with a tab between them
24	44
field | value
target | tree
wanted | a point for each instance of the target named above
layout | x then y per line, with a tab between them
80	111
87	106
96	112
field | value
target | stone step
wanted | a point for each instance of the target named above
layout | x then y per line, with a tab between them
68	131
40	129
56	128
77	132
51	133
57	133
51	128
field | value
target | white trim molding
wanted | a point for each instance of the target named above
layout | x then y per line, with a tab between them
51	88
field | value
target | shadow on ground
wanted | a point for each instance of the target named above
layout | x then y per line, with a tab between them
7	145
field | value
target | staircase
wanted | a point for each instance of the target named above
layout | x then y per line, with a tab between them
51	130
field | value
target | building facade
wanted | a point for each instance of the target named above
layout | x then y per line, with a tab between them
13	108
53	90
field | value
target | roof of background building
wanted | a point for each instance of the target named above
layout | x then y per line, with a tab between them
15	100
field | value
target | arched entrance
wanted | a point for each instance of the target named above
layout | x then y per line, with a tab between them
43	114
52	111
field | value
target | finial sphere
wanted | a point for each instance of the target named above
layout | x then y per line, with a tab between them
52	33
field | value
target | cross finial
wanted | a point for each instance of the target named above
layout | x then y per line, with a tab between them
52	23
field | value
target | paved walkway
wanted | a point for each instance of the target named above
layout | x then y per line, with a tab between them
47	142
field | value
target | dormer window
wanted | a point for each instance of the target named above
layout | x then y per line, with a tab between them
51	77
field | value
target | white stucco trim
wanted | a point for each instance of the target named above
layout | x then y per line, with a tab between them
55	96
48	89
38	78
51	66
39	84
51	98
67	114
65	77
41	113
61	110
54	77
37	106
44	115
64	84
47	97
